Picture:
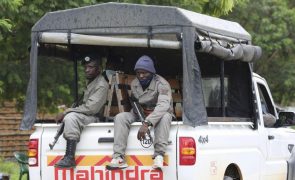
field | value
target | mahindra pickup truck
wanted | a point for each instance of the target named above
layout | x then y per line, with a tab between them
226	127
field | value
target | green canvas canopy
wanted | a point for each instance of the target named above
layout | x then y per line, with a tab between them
134	25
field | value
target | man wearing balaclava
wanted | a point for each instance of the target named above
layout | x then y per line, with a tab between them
154	95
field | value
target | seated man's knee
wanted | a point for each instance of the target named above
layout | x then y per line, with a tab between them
123	117
167	118
70	117
120	116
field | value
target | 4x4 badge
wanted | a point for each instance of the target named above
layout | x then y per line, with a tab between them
203	140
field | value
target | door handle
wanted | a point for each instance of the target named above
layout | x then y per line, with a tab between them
271	137
105	140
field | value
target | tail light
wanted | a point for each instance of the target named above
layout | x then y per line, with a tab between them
187	151
33	152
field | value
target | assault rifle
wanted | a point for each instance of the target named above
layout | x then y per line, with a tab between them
61	127
59	132
148	140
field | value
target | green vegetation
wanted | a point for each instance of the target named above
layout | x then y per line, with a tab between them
271	23
10	168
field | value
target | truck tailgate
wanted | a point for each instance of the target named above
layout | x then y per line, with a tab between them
95	149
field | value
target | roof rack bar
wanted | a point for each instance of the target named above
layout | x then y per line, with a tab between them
62	38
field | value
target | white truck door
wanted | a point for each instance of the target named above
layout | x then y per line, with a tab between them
280	141
94	152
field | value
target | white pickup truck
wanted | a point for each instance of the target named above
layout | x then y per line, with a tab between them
228	128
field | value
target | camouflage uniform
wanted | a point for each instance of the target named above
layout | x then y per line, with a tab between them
156	96
94	99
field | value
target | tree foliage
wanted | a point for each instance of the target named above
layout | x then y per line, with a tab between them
11	7
212	7
6	26
272	25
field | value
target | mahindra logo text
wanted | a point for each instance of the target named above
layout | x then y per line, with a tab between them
101	174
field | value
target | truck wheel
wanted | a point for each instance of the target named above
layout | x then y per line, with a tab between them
232	173
228	178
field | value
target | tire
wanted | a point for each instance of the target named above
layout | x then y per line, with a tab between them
227	178
232	173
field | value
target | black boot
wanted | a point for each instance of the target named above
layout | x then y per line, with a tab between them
68	161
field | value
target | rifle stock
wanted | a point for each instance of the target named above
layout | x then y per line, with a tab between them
137	108
57	135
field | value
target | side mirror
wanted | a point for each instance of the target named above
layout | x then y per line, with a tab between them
286	119
269	120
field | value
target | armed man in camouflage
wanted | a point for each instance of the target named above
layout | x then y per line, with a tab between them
154	95
77	118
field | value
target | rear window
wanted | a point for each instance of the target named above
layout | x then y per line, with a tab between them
236	92
211	90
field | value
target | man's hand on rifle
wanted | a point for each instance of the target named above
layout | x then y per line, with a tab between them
59	117
142	131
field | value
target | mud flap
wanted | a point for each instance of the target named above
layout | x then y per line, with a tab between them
291	166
